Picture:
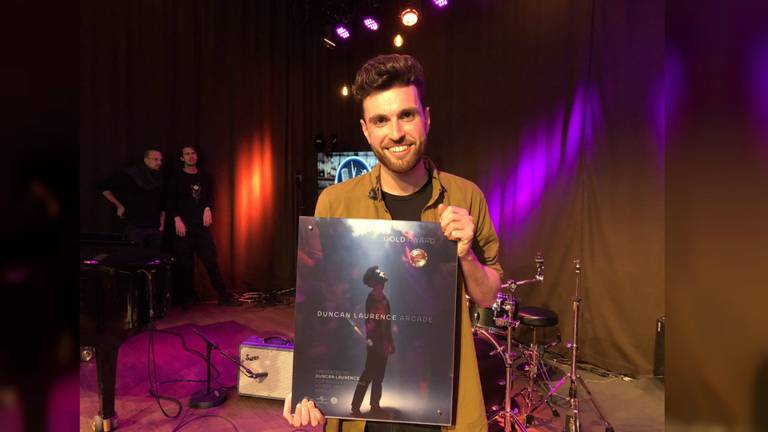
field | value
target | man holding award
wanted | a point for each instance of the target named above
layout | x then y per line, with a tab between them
406	185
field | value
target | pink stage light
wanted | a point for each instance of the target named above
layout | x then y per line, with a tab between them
342	32
371	23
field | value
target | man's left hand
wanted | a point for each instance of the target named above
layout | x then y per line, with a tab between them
207	217
457	224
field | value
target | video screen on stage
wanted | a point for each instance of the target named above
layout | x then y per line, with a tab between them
336	167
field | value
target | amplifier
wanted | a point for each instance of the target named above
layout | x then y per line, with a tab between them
273	355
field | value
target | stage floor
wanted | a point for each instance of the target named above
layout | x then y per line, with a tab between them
636	405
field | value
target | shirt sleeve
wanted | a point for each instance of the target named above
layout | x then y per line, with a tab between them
323	206
486	244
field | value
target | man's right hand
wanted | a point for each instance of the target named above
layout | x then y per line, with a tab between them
306	413
181	229
120	211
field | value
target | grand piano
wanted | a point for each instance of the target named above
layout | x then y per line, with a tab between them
123	289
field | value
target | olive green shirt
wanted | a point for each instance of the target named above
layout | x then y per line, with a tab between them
361	198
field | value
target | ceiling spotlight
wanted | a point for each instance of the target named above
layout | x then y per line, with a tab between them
370	23
409	16
342	32
440	3
398	41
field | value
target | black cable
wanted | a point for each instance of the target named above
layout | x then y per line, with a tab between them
152	377
186	422
193	352
152	373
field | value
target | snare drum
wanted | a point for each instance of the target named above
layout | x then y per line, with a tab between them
492	319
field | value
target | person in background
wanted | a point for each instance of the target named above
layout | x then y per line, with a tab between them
190	207
137	194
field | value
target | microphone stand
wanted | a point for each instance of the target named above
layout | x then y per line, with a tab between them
572	420
207	398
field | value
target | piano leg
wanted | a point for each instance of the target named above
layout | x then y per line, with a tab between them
106	367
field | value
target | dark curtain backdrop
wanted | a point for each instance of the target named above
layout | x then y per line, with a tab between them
554	108
716	64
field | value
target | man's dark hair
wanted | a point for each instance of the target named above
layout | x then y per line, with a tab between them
373	276
148	151
193	147
386	71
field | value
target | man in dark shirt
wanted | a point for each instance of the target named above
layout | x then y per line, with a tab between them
380	344
137	193
190	205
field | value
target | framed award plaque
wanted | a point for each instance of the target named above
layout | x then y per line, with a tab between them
376	320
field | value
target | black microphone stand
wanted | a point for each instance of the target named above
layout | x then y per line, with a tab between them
207	398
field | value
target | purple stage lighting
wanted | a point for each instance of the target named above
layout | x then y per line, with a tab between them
342	32
440	3
371	23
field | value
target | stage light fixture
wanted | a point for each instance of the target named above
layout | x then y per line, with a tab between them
342	32
440	3
409	16
328	43
398	41
344	90
370	23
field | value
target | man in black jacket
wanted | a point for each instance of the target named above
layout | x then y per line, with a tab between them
190	206
137	194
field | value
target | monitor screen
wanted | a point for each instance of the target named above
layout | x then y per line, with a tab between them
335	167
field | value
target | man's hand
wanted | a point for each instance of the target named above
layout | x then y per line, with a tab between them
391	348
306	413
207	217
181	229
120	211
457	224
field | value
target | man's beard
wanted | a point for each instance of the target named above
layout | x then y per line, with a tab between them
400	166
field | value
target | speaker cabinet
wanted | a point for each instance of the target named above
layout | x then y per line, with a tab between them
273	355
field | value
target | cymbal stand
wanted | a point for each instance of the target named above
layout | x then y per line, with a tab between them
573	421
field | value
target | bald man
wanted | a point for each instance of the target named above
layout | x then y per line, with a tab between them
137	194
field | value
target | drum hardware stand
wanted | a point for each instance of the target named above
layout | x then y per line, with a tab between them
511	285
536	367
508	355
511	322
573	421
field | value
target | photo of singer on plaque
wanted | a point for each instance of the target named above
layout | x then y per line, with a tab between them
375	320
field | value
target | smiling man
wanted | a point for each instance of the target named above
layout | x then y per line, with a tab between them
406	185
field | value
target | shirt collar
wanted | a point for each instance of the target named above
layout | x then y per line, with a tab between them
375	194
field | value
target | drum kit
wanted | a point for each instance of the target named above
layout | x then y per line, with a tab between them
497	348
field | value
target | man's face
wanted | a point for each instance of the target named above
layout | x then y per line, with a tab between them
154	160
396	127
189	156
